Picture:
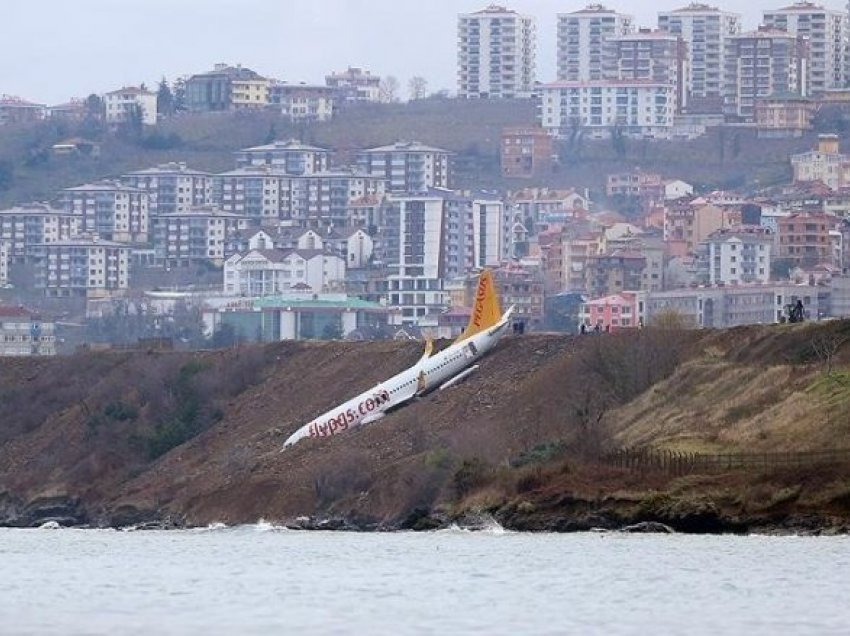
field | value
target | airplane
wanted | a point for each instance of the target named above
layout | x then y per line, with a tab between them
442	370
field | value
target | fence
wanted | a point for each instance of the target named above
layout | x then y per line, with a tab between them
679	463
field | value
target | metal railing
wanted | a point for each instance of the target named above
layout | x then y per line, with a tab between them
683	463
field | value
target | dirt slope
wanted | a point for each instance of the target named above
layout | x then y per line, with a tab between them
122	438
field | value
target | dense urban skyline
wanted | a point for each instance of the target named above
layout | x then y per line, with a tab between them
54	51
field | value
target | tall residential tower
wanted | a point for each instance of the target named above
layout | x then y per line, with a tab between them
826	30
705	30
496	54
581	41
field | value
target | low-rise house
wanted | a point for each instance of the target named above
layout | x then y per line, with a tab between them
84	266
72	111
825	164
76	147
356	85
303	102
24	333
14	110
271	271
784	115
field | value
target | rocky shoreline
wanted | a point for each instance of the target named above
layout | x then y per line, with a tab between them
70	512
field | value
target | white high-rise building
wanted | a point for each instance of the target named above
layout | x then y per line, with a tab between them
705	30
496	54
581	41
826	30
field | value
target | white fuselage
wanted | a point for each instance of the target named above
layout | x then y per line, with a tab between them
422	377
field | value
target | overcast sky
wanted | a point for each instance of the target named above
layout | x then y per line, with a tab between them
52	50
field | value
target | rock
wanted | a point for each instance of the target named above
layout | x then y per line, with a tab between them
68	511
10	509
648	527
128	515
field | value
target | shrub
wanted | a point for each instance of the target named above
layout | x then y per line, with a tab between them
471	475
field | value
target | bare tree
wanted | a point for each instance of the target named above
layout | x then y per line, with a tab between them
826	347
418	87
389	89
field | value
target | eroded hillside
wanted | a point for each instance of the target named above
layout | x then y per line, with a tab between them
118	438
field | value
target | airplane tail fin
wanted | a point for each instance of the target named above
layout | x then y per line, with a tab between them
487	310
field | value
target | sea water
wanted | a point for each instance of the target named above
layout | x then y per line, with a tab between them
265	580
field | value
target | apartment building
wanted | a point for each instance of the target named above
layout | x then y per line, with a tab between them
739	255
582	37
272	271
521	285
303	102
213	91
689	223
355	85
24	226
407	166
497	51
113	211
24	333
171	187
762	63
634	108
826	33
805	239
655	56
273	197
526	153
705	30
83	266
197	234
291	156
412	253
614	272
249	93
123	105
